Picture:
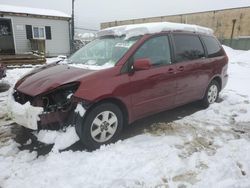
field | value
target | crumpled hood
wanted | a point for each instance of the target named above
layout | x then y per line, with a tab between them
49	77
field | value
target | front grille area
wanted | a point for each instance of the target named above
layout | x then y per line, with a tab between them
22	98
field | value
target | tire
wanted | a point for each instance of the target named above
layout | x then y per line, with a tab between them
211	95
101	125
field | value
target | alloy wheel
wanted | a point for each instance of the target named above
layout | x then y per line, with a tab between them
104	126
212	94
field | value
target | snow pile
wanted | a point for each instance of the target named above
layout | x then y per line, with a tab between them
80	110
55	59
12	77
233	111
60	139
238	56
90	64
239	69
25	115
33	11
150	28
231	53
229	167
142	161
85	36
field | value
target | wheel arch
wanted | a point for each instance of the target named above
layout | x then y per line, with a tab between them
117	102
218	80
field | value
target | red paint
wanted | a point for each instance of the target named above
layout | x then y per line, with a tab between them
142	92
46	79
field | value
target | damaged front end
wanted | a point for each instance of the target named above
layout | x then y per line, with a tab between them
52	108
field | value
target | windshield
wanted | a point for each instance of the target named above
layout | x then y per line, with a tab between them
103	51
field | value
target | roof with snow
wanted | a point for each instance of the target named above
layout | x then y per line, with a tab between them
32	11
150	28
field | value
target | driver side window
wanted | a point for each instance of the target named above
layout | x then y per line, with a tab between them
156	49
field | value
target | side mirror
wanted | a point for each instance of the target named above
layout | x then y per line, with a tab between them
142	64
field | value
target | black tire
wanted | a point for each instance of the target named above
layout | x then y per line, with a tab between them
205	102
84	125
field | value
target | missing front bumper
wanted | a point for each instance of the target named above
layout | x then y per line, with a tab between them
26	115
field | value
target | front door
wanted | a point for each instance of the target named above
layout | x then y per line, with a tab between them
153	90
6	37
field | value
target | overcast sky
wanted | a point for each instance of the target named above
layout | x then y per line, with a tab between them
90	13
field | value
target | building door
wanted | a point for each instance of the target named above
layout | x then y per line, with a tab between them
7	46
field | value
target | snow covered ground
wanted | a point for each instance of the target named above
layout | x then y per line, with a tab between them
209	148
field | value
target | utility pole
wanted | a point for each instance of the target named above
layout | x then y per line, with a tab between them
73	26
232	33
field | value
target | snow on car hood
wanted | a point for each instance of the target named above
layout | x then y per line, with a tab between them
92	67
50	77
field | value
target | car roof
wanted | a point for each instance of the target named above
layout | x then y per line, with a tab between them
151	28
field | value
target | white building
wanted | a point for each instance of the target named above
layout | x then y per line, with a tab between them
24	29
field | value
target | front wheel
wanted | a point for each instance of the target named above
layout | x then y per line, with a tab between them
102	125
211	95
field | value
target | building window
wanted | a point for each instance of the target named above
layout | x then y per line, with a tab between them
38	32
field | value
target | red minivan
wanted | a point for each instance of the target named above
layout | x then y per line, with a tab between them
127	73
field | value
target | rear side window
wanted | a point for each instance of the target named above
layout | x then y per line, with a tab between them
156	49
187	47
213	47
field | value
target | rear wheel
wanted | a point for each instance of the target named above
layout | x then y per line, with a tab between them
212	94
102	125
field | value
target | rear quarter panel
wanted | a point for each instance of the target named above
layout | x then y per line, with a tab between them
218	67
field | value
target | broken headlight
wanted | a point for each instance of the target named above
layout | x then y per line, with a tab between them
60	98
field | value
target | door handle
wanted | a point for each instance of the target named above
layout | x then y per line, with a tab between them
171	71
181	68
